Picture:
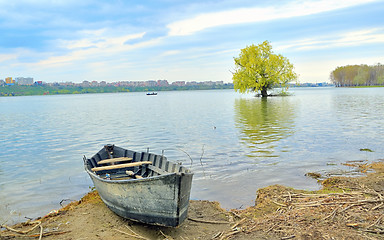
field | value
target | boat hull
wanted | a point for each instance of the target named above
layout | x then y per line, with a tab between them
158	200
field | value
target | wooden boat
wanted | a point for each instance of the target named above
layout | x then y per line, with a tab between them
141	186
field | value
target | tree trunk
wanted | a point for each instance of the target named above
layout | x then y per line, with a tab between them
264	92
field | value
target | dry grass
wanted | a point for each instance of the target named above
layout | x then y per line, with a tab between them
345	208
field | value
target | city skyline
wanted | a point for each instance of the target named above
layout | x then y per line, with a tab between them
94	83
72	41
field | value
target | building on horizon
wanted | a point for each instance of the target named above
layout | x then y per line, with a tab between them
151	83
179	83
9	81
193	83
162	83
66	84
85	83
24	80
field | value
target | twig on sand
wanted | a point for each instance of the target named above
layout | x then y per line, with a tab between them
20	231
229	234
235	214
332	214
207	221
166	236
269	229
44	234
289	237
377	206
41	232
280	204
290	197
131	235
374	231
234	229
376	222
219	234
238	223
130	229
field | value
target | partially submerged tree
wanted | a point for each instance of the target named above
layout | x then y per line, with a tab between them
259	69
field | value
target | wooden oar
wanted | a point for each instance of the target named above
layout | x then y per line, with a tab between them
113	160
95	169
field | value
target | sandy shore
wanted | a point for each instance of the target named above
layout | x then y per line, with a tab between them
345	208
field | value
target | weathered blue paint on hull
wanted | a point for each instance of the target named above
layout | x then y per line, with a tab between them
159	199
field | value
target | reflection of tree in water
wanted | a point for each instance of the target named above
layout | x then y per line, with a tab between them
263	122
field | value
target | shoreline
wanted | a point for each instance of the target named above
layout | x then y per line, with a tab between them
48	90
344	207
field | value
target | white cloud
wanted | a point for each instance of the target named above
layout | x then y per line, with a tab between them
353	38
97	47
257	14
7	57
97	40
361	37
170	53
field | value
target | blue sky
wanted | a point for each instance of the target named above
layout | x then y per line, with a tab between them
67	40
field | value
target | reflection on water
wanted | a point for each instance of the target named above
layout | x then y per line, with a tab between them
263	122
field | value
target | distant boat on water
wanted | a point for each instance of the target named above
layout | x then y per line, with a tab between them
152	93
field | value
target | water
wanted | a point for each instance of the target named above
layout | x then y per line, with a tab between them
234	143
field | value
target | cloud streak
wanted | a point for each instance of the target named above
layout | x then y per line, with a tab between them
97	39
96	47
352	38
257	14
7	57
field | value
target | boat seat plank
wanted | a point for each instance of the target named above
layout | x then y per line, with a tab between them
113	160
125	165
157	170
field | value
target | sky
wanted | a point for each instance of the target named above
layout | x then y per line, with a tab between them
177	40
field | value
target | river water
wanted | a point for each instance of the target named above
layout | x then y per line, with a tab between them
234	143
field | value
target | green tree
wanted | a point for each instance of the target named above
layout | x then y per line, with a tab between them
358	75
362	75
258	69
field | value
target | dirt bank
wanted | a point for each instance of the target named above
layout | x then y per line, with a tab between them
345	208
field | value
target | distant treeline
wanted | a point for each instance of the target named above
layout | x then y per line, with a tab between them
19	90
358	75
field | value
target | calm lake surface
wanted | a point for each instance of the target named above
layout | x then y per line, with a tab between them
237	143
